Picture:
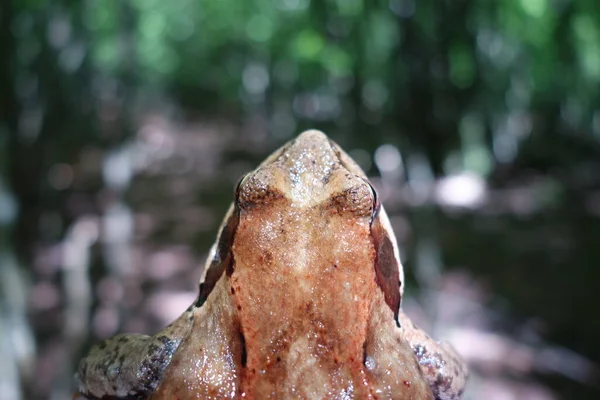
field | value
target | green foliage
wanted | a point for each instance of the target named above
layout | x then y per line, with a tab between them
200	46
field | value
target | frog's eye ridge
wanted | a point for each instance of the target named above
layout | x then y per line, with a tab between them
253	190
357	200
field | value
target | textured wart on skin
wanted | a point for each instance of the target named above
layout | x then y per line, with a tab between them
434	365
110	369
152	367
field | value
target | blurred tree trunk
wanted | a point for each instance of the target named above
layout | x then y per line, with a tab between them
17	363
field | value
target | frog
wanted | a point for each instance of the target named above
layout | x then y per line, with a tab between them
300	298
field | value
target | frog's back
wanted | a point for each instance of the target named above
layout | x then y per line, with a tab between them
307	316
311	360
300	300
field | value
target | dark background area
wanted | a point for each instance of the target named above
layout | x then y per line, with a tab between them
124	127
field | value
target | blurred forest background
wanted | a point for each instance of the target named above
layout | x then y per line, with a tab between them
124	126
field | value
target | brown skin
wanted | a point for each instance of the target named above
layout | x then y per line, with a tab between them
300	300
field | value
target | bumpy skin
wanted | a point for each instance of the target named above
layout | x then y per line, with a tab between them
300	299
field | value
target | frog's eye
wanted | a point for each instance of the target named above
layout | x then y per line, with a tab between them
252	190
358	200
236	192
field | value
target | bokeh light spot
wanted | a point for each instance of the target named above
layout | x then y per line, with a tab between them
260	28
60	176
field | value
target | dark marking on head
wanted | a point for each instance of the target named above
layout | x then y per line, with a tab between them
244	355
223	259
387	268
